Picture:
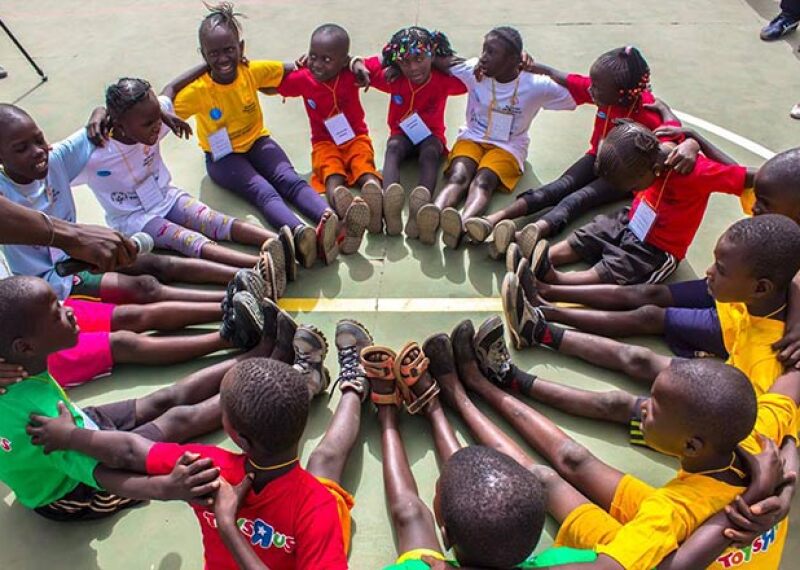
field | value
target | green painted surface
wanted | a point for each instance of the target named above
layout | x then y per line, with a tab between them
706	60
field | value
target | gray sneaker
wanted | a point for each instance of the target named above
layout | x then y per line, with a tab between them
492	352
248	321
310	350
351	338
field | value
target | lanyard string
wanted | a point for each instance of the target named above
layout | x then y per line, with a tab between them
121	152
608	116
661	192
255	465
335	110
413	95
493	104
741	474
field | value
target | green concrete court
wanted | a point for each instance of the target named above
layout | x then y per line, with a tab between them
706	59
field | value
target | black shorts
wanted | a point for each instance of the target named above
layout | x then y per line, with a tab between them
618	255
86	503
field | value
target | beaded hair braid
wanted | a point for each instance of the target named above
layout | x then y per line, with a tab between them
414	41
629	70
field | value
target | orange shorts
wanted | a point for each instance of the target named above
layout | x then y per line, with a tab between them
491	157
344	504
352	160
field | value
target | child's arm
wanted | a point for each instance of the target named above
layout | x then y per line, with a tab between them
175	86
556	75
789	345
226	504
667	115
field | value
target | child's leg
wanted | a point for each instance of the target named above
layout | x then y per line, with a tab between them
269	159
459	176
398	147
594	194
480	192
365	178
164	316
235	173
430	156
141	289
175	269
330	457
412	520
608	297
646	320
132	348
332	182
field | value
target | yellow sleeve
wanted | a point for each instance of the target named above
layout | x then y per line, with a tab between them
748	200
764	373
266	73
187	100
776	419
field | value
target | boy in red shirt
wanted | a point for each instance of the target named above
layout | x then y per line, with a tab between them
643	243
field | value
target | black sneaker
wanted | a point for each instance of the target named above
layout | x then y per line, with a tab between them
351	338
492	352
310	350
285	329
461	339
269	311
248	321
540	260
524	321
439	351
778	27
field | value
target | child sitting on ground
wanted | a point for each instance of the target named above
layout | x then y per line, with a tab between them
66	485
643	243
745	298
241	156
619	85
134	186
417	97
491	148
341	148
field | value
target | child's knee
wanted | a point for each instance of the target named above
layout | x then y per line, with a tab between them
615	404
147	289
651	315
572	457
129	318
125	345
485	181
431	152
637	359
395	148
408	512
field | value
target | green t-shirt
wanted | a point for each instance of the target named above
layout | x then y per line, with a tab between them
556	556
38	479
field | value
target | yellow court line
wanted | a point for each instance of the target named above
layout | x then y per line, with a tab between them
394	305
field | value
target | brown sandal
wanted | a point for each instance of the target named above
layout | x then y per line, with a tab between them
379	364
409	366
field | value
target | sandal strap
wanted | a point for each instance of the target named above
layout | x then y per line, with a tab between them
410	373
379	369
386	399
421	401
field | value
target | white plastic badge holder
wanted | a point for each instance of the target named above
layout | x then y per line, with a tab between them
220	144
500	126
642	220
339	128
149	193
415	128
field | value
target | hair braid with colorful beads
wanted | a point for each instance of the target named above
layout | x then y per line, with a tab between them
413	41
629	70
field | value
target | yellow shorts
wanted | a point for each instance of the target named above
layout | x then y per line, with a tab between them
418	553
352	160
344	504
491	157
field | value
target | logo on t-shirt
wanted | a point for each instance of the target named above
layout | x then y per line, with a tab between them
397	99
103	173
312	103
5	444
739	556
260	533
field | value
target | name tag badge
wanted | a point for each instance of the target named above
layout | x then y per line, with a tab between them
500	126
642	221
339	128
415	128
220	144
149	193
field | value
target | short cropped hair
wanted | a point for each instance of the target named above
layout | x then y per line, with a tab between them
17	297
333	30
782	172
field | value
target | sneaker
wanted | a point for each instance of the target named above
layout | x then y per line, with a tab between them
419	197
285	329
522	318
310	350
452	228
327	228
778	27
439	351
342	198
275	251
394	198
504	233
266	270
540	260
305	244
492	352
528	282
428	218
795	112
478	229
513	257
287	242
461	340
527	239
248	280
248	321
373	196
3	73
269	312
355	224
351	338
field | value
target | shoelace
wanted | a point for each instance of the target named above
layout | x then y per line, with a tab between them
350	368
302	360
500	357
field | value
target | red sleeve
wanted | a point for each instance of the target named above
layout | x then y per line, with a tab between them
453	85
163	456
376	77
319	540
710	176
578	87
293	84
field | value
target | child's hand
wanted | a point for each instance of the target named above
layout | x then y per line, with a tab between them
391	74
789	347
748	522
229	498
765	468
672	131
99	126
192	479
52	433
178	126
301	61
683	157
528	63
360	71
10	374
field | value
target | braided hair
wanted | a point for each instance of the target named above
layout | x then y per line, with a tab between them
511	37
629	150
123	95
629	71
222	14
413	41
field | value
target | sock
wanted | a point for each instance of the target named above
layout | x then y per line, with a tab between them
549	334
520	381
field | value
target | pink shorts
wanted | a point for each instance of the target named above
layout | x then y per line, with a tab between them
91	357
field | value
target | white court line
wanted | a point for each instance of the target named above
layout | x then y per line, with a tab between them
724	133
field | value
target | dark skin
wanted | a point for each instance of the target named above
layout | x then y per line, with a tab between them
222	50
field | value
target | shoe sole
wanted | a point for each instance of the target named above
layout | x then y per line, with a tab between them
452	228
356	324
419	197
428	219
528	238
319	336
342	199
513	257
306	247
330	249
394	198
250	281
503	236
508	294
247	312
275	251
355	224
784	32
477	229
373	196
287	241
537	258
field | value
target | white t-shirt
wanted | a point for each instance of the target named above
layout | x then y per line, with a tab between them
114	172
533	93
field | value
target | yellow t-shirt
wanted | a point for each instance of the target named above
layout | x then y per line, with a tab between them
234	106
748	200
656	521
749	341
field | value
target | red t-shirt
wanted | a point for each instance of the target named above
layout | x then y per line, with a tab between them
319	100
684	200
291	523
578	87
429	99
